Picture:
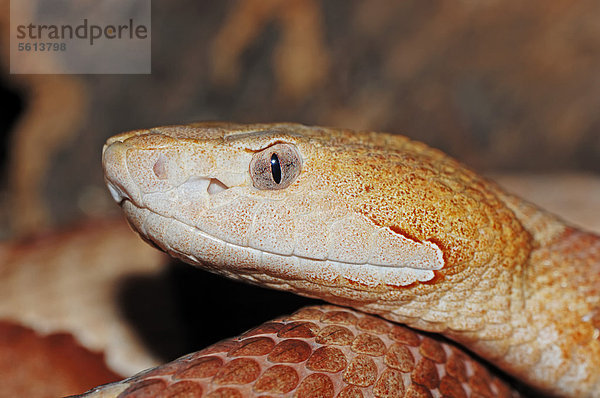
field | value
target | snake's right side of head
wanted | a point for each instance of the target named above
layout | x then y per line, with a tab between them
370	220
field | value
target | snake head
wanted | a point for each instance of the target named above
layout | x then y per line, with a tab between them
349	217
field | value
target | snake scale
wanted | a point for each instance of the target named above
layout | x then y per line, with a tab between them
378	224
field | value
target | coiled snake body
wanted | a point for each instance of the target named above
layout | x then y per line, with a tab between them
370	221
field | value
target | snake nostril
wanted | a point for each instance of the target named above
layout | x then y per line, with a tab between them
216	187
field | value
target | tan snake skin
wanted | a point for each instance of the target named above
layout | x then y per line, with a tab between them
374	222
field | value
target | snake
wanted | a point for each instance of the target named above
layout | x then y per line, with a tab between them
405	244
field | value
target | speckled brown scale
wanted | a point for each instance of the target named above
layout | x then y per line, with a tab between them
290	351
361	372
278	379
222	346
200	368
340	318
426	374
400	357
298	329
182	389
145	388
309	313
417	391
238	371
373	324
366	343
450	387
254	346
335	334
455	366
404	335
389	384
267	362
350	392
433	350
269	327
327	359
225	392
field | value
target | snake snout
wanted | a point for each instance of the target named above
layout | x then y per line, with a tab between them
116	175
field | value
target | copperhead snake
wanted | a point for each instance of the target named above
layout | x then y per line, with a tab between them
378	224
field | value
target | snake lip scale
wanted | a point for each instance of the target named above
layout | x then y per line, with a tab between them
294	263
375	222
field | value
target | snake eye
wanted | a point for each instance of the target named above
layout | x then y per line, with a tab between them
275	167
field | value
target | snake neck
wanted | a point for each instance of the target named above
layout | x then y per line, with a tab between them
537	319
554	316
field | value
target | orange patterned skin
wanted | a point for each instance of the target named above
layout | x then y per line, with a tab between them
378	223
321	352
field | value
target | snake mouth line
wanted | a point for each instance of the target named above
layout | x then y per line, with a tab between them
215	186
209	185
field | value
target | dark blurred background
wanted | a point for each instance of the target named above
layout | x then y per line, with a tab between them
501	85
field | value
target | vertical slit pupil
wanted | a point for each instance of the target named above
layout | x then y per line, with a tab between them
275	168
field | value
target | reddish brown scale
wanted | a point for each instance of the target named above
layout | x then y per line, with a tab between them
182	389
376	359
417	391
404	335
426	374
279	379
290	351
399	357
225	392
315	385
201	368
481	382
327	359
253	347
389	385
340	318
238	371
334	334
368	344
308	313
373	324
450	387
350	392
361	372
433	350
299	329
222	346
455	366
145	388
269	327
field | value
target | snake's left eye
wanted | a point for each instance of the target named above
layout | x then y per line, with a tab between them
275	167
